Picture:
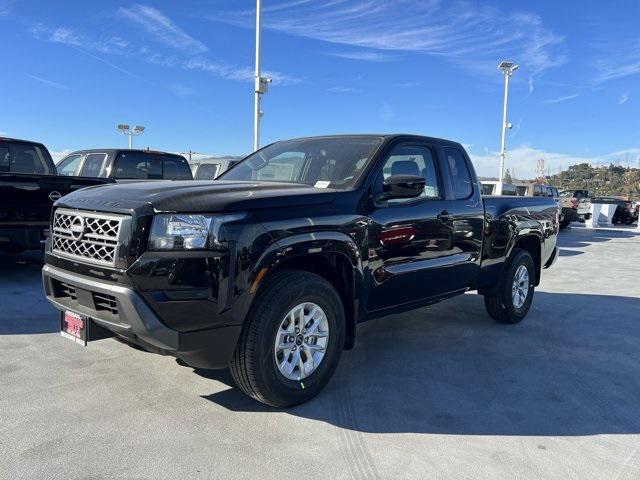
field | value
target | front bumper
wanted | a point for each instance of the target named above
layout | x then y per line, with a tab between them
124	312
27	237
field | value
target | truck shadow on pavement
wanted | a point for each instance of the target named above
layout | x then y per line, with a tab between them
571	368
23	306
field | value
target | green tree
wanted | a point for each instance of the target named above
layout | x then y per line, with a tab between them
507	177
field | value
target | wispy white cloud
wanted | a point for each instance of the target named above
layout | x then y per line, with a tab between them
340	89
475	37
561	99
71	37
617	59
369	56
163	29
531	87
524	158
5	7
113	45
85	44
48	82
236	73
106	62
624	98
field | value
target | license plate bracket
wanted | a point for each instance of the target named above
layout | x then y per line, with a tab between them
74	327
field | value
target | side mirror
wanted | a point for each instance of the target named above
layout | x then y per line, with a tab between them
402	186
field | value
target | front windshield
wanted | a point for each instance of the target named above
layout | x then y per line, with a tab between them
334	162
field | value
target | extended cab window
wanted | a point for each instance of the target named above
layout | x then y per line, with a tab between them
460	176
207	171
69	165
175	168
413	160
138	165
94	164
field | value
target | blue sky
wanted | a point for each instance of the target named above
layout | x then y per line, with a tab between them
73	70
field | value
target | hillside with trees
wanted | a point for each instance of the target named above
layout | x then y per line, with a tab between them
609	180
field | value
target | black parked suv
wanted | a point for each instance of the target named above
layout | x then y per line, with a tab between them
125	165
270	268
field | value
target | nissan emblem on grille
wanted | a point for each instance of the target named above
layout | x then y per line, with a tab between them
55	195
77	227
91	237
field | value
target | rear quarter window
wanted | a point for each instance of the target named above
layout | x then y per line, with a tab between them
175	168
460	175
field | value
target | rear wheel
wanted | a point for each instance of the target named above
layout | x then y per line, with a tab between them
513	296
291	344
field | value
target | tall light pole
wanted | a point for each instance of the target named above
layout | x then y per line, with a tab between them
124	129
507	68
261	84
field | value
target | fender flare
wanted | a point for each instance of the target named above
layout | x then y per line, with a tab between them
312	243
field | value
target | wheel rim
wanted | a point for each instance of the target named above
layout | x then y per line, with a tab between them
520	287
301	341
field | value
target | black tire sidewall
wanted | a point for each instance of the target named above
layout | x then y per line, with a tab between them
313	289
520	258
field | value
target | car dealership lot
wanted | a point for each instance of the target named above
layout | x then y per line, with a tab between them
442	392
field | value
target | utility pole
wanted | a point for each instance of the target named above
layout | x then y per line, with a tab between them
507	68
261	84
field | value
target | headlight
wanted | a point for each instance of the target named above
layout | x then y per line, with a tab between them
187	232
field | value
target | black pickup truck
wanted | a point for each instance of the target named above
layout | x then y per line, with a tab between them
270	268
28	187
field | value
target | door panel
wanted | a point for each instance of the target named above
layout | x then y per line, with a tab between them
408	246
428	247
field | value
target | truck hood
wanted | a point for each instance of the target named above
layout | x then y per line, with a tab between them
194	196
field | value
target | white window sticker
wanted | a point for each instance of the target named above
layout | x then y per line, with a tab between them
322	184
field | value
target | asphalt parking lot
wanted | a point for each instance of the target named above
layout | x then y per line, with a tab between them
443	392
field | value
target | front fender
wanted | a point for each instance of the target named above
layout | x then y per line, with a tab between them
296	247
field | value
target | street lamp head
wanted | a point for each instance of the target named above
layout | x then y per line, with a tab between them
123	127
508	67
138	129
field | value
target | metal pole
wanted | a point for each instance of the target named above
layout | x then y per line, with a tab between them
256	93
504	129
130	140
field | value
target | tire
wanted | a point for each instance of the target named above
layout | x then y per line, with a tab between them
254	364
501	305
564	224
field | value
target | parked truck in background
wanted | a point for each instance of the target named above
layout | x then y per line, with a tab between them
570	203
29	185
211	167
125	165
270	269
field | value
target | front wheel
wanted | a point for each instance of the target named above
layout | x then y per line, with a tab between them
514	293
291	344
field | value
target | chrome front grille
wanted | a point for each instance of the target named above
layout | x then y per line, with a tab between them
87	236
